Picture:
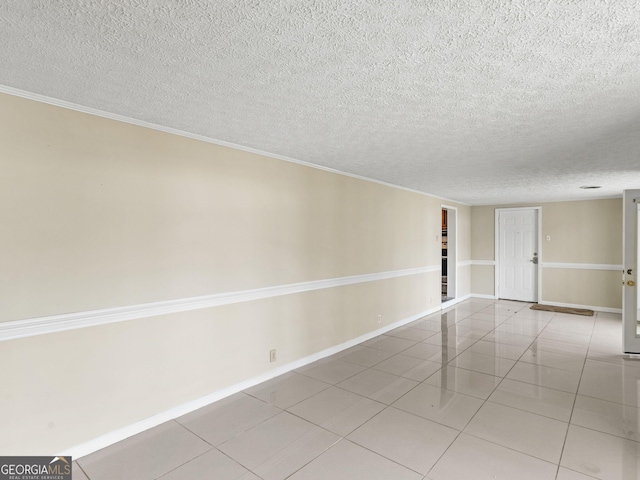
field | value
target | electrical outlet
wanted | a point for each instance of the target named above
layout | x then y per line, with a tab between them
272	356
379	318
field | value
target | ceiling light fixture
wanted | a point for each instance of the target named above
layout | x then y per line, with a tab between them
590	187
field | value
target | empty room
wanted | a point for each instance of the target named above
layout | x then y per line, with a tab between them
319	240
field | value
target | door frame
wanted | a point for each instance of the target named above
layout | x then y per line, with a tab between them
630	242
452	260
497	250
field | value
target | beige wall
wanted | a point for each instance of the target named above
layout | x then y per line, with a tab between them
100	214
581	232
482	280
483	233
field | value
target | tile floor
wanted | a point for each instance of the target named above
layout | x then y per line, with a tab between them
485	389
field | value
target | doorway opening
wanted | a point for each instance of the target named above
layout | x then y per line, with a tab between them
449	258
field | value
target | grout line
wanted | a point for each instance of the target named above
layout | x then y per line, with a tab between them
575	399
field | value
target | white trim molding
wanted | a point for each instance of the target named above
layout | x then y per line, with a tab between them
481	295
138	427
483	262
589	307
71	321
582	266
454	301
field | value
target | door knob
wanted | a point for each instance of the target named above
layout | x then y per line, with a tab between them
631	283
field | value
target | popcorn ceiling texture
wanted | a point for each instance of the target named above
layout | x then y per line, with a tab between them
481	102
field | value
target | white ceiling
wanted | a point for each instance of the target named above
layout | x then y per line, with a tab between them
486	102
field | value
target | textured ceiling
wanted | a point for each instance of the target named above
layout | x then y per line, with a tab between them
486	102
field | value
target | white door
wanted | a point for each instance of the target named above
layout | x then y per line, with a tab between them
631	255
518	254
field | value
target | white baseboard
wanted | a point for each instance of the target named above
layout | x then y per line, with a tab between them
479	295
582	266
588	307
454	301
175	412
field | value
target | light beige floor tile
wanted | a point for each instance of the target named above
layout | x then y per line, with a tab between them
398	364
487	322
348	461
433	353
607	346
539	315
337	410
570	328
511	352
607	417
380	386
566	474
601	455
571	317
278	445
517	304
460	380
442	406
535	399
364	356
422	371
559	347
493	319
615	383
411	441
503	308
479	362
473	458
454	314
390	344
458	312
209	466
287	390
614	357
413	368
410	333
509	338
519	320
549	377
563	361
147	455
538	436
226	418
331	370
448	338
473	333
297	455
432	325
576	339
77	473
521	328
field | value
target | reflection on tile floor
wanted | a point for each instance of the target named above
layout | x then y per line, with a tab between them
485	389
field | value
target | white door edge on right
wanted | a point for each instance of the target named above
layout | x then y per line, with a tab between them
630	257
